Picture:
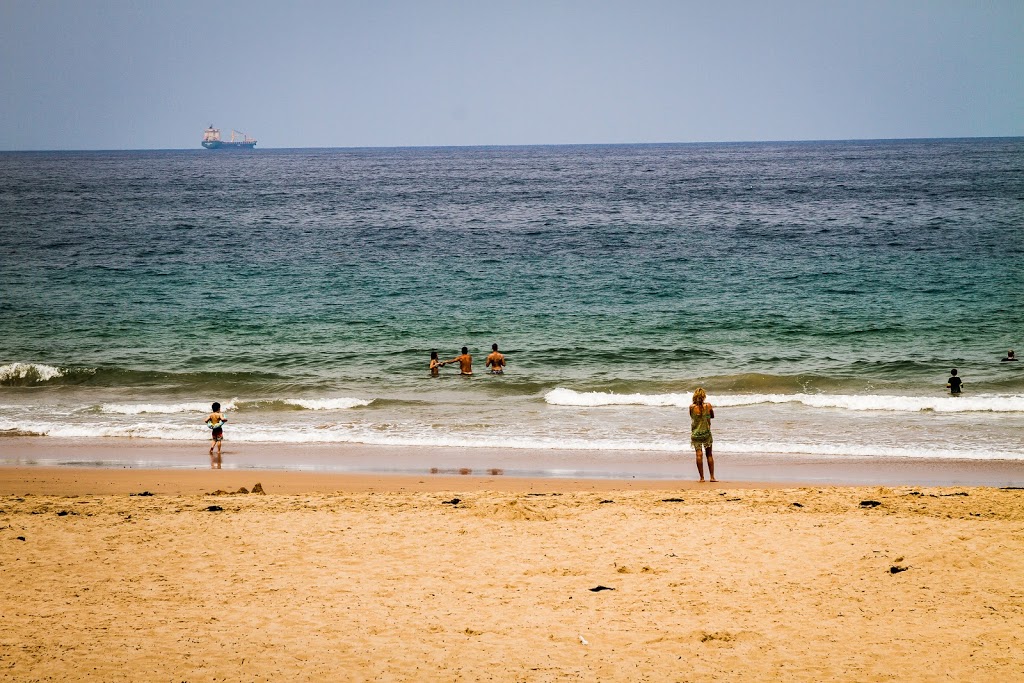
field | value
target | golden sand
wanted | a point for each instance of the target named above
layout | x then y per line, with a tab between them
388	579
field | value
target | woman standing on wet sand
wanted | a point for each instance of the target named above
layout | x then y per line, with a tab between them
701	414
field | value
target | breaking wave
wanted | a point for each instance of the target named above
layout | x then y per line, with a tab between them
34	374
327	403
939	404
413	437
341	403
27	374
160	408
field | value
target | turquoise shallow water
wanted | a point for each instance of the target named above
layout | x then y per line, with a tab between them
819	291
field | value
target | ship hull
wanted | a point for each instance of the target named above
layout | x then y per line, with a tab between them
223	144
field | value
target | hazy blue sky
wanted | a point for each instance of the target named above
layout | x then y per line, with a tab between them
112	75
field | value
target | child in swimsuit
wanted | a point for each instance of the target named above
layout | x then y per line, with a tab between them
215	421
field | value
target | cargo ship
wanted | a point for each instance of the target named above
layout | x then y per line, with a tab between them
211	140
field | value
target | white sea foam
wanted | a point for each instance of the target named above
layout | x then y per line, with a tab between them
342	403
161	408
72	430
568	397
424	437
981	403
940	404
31	371
867	451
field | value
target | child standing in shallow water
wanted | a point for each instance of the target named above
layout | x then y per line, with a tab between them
215	421
701	414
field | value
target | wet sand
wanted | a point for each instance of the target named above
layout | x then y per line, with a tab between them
534	464
332	576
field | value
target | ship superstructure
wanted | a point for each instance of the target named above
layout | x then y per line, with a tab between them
212	140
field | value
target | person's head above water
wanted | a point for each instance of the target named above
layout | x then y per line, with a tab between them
465	349
216	407
699	395
953	372
433	355
494	347
1009	354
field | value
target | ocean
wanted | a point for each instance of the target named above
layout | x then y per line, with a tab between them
819	291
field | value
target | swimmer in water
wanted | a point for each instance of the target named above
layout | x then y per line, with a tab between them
465	362
495	361
954	383
435	364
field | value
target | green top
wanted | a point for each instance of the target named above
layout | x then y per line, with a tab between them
700	423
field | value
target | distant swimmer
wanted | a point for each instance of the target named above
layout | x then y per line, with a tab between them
435	364
215	421
465	362
954	383
1009	356
701	414
495	361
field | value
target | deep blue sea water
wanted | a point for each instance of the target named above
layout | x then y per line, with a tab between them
820	292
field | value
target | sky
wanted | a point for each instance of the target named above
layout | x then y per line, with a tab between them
99	74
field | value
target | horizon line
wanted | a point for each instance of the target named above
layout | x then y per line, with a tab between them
533	144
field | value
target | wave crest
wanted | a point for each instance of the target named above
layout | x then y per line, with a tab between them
342	403
568	397
161	408
339	403
27	374
940	404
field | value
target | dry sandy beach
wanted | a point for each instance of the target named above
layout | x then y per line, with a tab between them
333	577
